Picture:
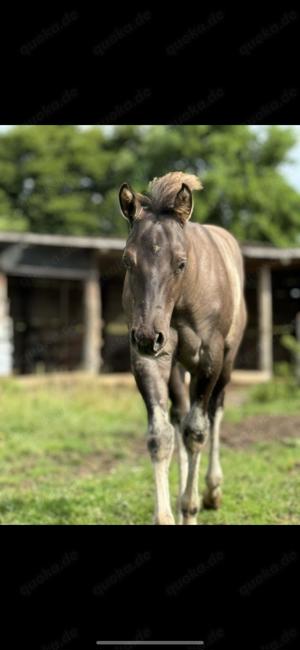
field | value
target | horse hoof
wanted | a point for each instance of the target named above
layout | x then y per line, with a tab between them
212	499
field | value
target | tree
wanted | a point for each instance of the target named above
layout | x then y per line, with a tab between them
61	179
53	179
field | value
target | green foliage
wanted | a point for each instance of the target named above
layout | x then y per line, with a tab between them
61	179
279	396
282	369
290	343
276	390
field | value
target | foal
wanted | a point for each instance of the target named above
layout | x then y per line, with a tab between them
184	304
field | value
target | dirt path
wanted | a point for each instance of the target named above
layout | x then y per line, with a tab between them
261	428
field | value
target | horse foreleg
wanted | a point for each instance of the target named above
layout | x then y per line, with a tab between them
196	424
152	377
182	470
195	434
180	407
160	445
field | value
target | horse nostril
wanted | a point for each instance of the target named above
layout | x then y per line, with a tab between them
158	341
132	336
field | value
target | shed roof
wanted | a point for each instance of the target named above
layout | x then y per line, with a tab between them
252	251
264	251
40	239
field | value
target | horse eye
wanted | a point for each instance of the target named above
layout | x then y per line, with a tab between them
181	265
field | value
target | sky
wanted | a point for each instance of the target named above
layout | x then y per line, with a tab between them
290	170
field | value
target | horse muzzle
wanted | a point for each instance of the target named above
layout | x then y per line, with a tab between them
147	343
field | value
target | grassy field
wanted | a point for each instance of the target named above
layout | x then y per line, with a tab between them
73	452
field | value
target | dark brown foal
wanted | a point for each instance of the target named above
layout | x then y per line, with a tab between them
183	299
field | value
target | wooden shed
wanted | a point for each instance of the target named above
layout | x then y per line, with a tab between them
60	304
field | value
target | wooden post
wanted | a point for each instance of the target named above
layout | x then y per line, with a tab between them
265	319
6	330
297	351
3	295
92	324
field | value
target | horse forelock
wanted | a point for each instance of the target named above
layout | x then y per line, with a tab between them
163	191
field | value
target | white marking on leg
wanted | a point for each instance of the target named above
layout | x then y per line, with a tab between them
197	424
182	467
197	419
162	429
190	501
187	378
163	512
214	474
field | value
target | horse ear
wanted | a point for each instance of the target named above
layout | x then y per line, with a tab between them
128	202
184	204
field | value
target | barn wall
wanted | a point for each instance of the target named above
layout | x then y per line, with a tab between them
247	357
48	314
115	351
286	304
47	324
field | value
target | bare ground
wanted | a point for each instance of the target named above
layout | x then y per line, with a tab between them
254	429
261	428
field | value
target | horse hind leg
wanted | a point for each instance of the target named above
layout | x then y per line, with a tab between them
213	495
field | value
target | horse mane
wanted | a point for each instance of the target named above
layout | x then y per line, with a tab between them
162	191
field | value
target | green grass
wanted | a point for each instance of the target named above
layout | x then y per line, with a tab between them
75	453
277	397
